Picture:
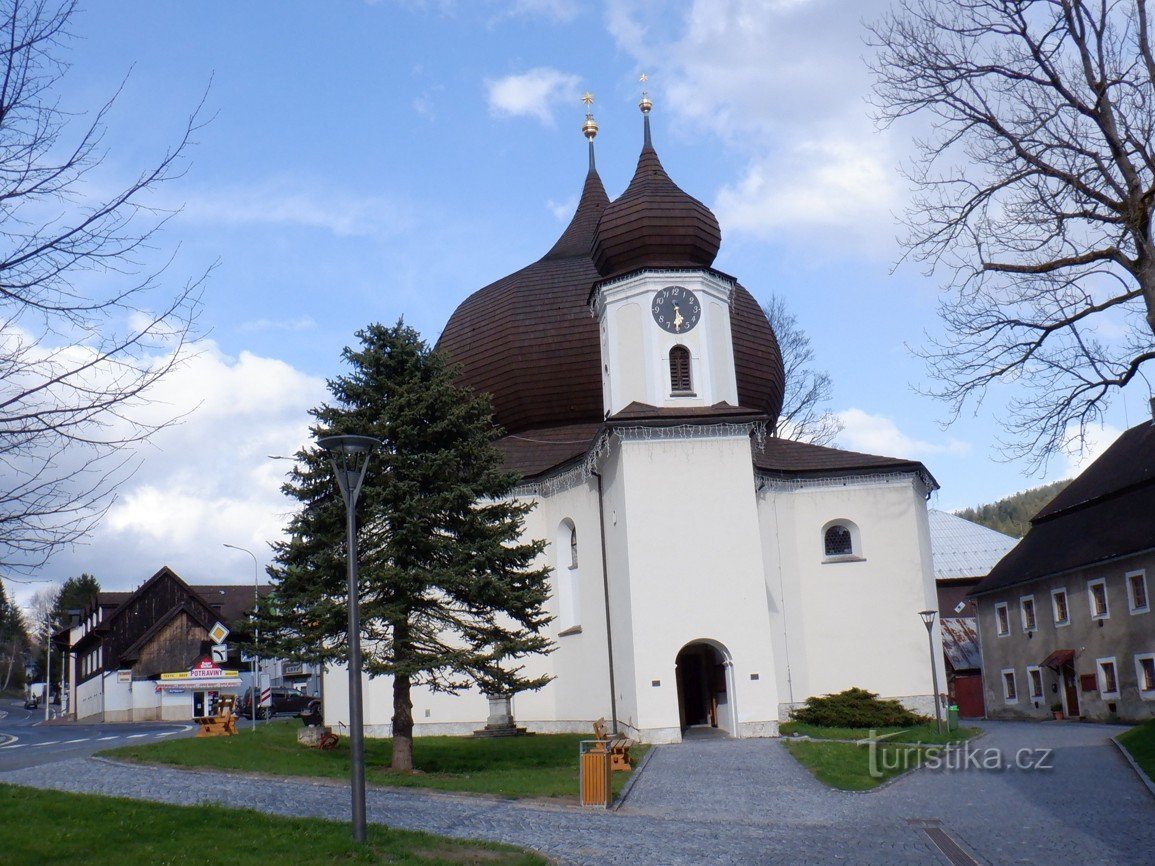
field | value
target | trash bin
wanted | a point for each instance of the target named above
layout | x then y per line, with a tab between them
594	760
952	717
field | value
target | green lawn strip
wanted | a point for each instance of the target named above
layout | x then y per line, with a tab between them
533	766
850	767
925	734
49	827
1140	742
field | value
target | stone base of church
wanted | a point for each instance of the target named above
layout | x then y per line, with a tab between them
756	730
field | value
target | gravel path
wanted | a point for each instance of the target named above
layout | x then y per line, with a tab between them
743	801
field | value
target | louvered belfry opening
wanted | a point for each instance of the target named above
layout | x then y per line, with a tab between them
680	381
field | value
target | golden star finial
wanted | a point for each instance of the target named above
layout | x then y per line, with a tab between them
644	79
588	99
645	105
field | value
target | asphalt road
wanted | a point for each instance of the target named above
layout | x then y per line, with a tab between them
26	740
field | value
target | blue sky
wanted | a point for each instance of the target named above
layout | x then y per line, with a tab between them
367	161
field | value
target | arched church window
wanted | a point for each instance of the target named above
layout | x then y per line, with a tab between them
838	541
680	380
568	579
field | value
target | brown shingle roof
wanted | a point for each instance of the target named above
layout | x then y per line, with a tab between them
1102	515
535	452
789	458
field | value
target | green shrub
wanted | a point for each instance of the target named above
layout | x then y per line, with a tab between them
856	708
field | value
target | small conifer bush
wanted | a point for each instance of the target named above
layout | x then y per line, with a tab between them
856	708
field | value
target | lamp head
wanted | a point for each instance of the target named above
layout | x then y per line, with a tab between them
928	617
349	444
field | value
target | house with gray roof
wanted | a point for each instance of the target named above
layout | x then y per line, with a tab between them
1065	618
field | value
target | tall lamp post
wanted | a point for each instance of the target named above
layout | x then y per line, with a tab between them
349	455
256	663
928	620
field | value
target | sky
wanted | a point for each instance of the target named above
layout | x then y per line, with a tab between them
367	161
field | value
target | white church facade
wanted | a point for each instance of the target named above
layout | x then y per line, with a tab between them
706	572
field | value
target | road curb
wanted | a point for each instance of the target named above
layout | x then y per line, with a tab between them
1135	766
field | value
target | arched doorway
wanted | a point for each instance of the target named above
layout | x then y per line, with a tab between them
705	688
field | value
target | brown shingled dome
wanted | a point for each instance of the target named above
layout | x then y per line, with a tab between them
530	341
654	224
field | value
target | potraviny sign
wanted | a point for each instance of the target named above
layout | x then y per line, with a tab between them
204	675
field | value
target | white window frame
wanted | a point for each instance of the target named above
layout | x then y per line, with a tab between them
1005	618
1091	584
1034	669
568	576
1146	606
1007	697
1099	665
1057	591
1145	694
1023	599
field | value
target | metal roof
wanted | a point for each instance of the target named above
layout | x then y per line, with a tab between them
964	549
960	642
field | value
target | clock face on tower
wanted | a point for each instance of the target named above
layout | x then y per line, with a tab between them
676	309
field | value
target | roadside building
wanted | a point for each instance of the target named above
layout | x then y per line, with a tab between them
1065	618
964	553
148	654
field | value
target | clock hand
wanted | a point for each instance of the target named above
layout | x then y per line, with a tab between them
678	318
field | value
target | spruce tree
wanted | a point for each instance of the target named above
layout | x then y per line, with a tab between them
450	595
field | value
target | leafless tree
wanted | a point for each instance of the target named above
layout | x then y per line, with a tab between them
805	416
86	332
1034	188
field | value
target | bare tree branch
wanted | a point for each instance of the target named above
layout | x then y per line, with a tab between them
85	336
1033	198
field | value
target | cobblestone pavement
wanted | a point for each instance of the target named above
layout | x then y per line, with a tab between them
743	801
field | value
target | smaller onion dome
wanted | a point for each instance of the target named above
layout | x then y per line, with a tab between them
654	224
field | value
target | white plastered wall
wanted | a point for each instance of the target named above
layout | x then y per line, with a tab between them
695	573
842	622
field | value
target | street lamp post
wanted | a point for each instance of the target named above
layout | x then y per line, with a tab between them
928	620
256	662
349	455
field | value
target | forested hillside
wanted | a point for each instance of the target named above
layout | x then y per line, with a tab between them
1013	514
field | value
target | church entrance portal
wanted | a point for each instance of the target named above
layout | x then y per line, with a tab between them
704	699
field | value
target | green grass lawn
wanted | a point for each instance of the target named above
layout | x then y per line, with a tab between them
533	766
1140	742
850	767
38	828
927	734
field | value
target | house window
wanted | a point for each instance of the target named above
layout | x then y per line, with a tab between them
1010	692
1137	592
1002	619
1097	598
680	380
1145	674
1108	681
1035	682
1059	606
1027	610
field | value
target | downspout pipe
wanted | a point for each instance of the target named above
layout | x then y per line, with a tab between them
606	596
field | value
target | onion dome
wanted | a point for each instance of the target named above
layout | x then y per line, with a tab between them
654	224
529	339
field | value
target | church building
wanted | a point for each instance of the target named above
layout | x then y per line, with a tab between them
707	573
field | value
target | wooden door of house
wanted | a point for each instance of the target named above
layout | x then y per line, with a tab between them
968	690
1071	690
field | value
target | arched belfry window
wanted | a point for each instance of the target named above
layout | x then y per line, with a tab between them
681	381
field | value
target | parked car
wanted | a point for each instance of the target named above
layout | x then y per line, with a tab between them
284	700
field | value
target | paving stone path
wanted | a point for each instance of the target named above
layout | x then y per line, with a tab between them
743	801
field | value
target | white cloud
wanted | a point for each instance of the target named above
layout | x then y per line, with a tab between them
736	69
211	479
283	201
532	94
562	11
877	434
832	183
1078	453
562	210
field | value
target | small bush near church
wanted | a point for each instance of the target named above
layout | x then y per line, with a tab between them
856	708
